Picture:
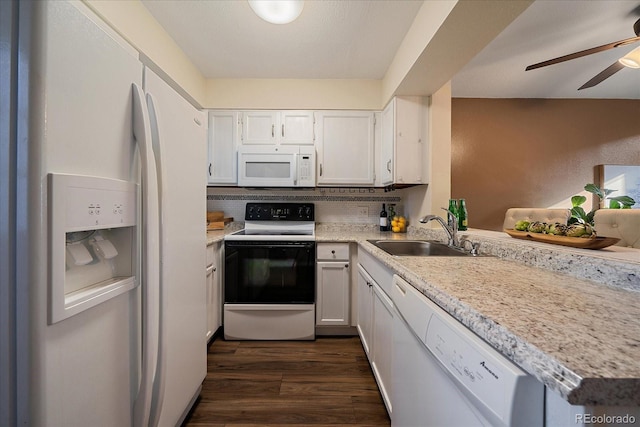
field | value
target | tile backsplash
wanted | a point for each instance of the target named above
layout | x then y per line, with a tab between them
346	205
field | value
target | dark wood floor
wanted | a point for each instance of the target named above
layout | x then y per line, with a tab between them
326	382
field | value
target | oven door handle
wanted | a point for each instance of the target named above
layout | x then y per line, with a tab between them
267	245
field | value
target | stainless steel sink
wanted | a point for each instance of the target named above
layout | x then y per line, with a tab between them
417	248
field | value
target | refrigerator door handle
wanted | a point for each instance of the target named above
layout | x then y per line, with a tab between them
150	271
160	372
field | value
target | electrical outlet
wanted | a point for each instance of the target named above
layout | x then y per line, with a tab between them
363	211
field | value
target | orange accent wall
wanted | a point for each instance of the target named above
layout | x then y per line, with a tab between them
535	152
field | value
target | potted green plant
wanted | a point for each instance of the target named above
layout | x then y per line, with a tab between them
578	214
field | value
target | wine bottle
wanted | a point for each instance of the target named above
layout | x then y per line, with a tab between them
384	219
463	219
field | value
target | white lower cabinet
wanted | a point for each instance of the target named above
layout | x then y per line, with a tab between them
383	342
375	320
333	284
214	289
365	309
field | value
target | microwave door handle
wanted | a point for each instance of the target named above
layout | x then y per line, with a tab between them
295	169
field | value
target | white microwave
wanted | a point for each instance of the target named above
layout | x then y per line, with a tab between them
277	166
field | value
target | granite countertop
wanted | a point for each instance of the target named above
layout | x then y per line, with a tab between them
214	236
570	318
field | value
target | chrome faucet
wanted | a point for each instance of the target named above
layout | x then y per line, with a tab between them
452	231
474	246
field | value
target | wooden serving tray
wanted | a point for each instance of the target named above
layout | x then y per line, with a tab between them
574	242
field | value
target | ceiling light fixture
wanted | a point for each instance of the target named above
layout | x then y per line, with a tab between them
277	11
631	59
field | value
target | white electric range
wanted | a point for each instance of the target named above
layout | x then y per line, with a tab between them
270	285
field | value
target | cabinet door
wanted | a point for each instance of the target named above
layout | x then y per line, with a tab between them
332	298
223	137
214	288
409	122
216	297
259	127
296	127
385	167
345	148
210	291
365	312
383	338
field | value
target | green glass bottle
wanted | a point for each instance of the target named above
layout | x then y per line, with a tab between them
463	217
453	208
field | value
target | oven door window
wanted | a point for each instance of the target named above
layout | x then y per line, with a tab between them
269	273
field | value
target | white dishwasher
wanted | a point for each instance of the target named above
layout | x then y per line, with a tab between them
444	375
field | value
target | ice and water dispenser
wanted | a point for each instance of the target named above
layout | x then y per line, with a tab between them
92	242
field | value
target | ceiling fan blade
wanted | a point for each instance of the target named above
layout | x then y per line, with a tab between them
583	53
603	75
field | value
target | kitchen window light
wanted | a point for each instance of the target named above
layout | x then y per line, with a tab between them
277	11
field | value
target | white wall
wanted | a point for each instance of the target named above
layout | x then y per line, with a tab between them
136	25
288	94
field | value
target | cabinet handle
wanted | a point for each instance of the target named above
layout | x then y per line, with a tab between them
214	269
346	266
283	130
389	165
273	131
320	169
210	169
333	252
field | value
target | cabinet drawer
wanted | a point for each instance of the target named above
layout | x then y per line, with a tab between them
333	251
210	255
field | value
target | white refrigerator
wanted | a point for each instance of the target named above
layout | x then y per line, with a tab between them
127	348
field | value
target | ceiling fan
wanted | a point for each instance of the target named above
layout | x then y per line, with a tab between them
631	60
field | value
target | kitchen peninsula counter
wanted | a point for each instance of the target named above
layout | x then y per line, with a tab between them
569	317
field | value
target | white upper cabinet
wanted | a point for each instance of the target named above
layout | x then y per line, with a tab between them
296	127
223	137
277	127
403	141
345	145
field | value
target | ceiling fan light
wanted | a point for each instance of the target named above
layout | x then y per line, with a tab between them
277	11
631	59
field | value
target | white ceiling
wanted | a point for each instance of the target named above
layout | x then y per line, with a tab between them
546	30
357	39
330	39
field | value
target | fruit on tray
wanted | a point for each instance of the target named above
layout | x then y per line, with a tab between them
580	230
537	227
557	229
